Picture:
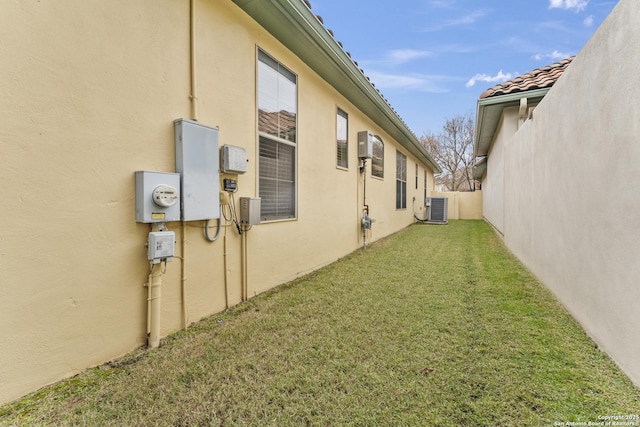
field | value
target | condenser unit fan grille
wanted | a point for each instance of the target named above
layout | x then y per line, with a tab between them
438	210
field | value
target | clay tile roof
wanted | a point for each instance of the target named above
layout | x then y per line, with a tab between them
540	78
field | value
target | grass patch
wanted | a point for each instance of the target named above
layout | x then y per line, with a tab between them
436	325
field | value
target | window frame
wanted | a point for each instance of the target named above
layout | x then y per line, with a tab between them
282	136
426	174
401	180
344	150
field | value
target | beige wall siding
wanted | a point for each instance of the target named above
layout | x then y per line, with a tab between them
570	211
92	91
80	116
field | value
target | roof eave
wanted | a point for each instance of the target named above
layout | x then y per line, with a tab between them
296	27
479	172
489	112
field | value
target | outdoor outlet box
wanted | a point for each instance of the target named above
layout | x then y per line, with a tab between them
234	159
161	246
365	145
197	163
249	210
157	196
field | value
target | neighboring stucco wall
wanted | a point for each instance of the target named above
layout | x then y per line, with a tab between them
570	210
470	205
92	89
493	182
463	204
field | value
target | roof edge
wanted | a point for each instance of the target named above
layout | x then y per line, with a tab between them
293	23
489	112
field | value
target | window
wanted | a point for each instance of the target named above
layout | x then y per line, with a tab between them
377	162
417	172
342	135
401	181
425	187
277	126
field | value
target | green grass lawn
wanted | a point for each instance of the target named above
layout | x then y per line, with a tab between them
433	326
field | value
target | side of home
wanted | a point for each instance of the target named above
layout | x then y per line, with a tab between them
90	92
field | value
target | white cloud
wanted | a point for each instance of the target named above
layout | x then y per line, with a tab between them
578	5
588	21
400	56
553	55
467	19
500	77
419	82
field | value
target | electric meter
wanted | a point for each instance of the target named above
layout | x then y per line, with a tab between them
165	196
157	196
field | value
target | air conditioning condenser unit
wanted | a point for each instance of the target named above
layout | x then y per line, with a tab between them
437	209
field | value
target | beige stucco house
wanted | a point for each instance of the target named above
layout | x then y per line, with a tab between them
90	93
558	180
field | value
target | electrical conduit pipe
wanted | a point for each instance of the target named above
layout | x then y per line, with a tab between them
194	116
153	304
243	266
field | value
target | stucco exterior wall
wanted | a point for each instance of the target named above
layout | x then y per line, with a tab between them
92	89
463	204
570	211
493	182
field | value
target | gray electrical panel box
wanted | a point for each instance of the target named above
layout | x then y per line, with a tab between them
249	210
234	159
157	196
365	145
197	162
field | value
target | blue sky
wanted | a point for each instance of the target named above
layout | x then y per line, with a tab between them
431	59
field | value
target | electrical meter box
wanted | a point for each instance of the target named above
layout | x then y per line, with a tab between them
250	210
197	162
365	145
157	196
234	159
161	246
